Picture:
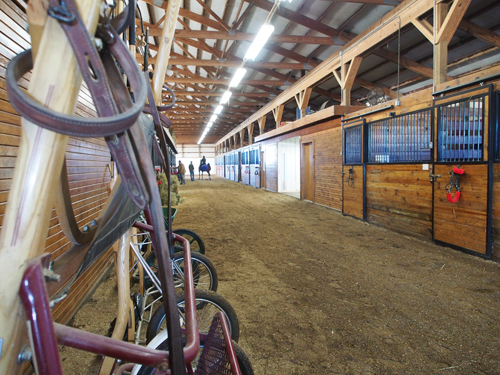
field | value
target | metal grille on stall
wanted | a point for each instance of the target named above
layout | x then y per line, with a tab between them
401	139
461	130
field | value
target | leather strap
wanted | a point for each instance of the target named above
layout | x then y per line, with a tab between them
163	108
164	119
153	110
70	124
126	18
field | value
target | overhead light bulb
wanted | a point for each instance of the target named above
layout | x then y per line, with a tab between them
213	118
238	76
218	109
209	125
262	36
225	97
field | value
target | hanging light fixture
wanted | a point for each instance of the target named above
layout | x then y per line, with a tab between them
225	97
262	36
218	109
238	76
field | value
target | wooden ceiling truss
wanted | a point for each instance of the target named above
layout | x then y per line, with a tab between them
209	42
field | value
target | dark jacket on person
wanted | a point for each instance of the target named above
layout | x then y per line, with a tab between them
191	167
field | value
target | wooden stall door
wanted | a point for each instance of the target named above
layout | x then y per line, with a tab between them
353	191
307	183
262	169
462	223
271	162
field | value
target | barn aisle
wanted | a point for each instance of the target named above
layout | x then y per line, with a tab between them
319	293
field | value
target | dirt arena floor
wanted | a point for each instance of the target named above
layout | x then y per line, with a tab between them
319	293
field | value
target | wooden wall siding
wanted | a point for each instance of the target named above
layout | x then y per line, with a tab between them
353	195
327	167
399	197
87	161
271	155
462	223
495	251
63	312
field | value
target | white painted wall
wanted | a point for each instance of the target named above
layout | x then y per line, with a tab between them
188	153
289	165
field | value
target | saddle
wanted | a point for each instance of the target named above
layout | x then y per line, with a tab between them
130	136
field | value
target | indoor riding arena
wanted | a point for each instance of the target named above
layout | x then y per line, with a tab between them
249	187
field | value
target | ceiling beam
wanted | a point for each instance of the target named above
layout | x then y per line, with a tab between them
199	110
241	36
232	63
244	94
296	17
189	15
480	32
225	81
213	102
389	24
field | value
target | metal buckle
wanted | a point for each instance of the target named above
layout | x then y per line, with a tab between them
61	13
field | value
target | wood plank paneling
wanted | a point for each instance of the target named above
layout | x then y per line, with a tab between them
496	212
462	223
353	191
328	168
271	160
399	197
87	161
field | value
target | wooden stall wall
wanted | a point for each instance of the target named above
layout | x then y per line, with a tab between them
495	251
271	166
327	166
353	191
399	198
88	162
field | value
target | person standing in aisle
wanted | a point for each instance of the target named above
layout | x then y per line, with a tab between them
191	171
181	172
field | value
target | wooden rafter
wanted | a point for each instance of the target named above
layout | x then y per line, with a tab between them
296	17
390	23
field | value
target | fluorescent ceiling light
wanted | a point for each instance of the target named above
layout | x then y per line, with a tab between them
218	109
262	36
238	76
225	97
213	118
209	125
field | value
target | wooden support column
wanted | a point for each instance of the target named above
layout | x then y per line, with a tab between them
346	78
242	137
278	114
250	133
165	46
262	124
302	99
445	24
235	141
55	82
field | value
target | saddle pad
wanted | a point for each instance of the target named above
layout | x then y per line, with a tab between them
120	213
